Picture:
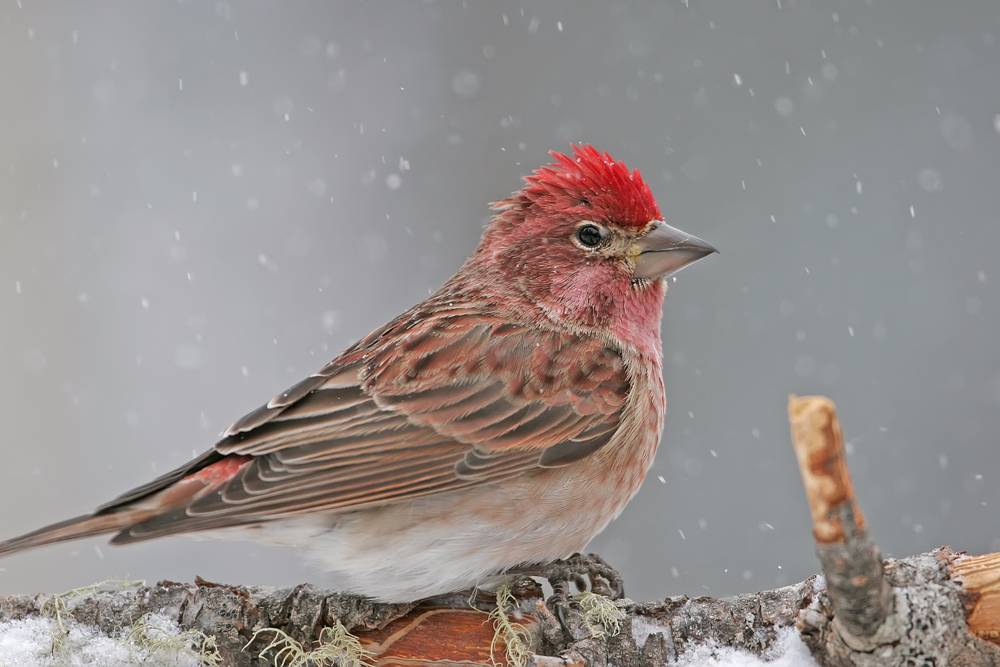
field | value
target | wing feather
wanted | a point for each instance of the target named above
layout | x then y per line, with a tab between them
436	401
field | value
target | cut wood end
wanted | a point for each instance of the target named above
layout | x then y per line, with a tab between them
819	448
447	636
980	580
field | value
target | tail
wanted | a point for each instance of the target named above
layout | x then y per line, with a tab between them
164	497
86	525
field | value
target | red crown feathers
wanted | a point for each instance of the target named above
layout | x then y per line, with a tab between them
591	185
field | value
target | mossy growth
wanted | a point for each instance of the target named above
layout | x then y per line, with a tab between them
335	646
600	614
514	636
153	638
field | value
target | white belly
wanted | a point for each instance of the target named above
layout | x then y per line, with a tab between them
441	544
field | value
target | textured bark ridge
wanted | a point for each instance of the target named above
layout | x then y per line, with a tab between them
930	628
939	608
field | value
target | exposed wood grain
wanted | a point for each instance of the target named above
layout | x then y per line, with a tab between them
980	580
450	636
819	448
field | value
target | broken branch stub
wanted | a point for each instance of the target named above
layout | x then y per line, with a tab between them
856	583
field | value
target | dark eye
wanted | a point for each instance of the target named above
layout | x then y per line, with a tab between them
589	236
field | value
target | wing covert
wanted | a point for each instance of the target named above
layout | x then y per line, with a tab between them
434	402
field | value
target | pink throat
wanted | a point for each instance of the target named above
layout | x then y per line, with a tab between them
639	322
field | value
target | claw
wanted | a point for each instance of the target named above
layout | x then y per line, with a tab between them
588	572
591	576
558	602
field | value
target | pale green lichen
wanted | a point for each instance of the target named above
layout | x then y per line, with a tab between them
335	646
514	636
600	614
153	639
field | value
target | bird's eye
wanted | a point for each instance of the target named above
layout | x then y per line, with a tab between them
589	236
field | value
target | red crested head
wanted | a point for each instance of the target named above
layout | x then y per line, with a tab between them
583	244
590	184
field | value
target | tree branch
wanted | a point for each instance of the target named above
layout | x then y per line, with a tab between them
851	562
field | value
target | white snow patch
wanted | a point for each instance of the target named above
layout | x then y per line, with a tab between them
788	651
643	628
28	643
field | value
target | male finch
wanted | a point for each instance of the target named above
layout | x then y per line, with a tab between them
503	421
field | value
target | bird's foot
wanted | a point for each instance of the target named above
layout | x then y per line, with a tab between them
587	572
591	607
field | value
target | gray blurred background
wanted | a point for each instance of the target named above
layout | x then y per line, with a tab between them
201	202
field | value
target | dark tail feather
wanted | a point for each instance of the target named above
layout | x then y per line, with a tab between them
86	525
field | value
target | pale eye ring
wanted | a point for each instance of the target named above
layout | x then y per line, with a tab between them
589	235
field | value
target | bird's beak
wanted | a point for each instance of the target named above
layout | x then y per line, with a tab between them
665	250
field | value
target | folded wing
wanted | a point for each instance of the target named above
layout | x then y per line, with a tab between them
439	400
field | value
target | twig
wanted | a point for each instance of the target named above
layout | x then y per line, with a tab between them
851	561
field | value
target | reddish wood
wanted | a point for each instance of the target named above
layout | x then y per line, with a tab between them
980	579
440	636
819	447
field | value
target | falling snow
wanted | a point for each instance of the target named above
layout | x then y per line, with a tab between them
466	84
929	179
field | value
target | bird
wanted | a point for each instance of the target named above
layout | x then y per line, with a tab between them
500	423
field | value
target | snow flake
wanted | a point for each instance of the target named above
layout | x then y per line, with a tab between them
466	84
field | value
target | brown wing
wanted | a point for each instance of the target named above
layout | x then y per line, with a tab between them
434	402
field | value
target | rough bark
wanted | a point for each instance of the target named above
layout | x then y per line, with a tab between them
928	626
451	629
